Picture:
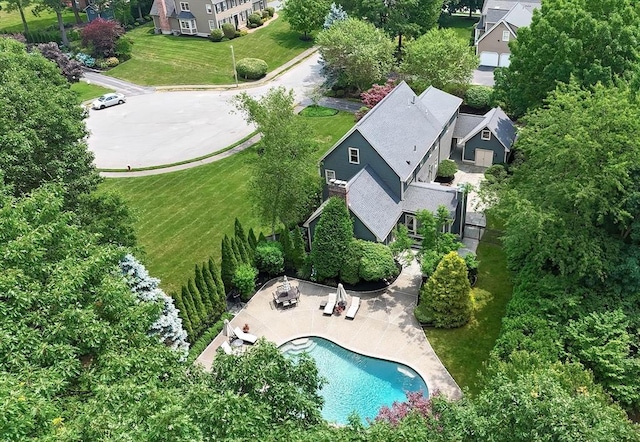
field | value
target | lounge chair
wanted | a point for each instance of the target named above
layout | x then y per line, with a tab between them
246	337
353	308
331	303
226	348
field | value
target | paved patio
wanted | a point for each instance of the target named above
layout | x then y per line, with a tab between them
384	326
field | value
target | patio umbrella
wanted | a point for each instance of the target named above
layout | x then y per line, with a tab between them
286	286
341	298
226	328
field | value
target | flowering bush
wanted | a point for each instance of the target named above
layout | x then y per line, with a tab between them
168	326
416	402
374	96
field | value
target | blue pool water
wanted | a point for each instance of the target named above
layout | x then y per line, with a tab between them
355	382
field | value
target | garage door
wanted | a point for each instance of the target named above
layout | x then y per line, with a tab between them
489	59
504	60
484	157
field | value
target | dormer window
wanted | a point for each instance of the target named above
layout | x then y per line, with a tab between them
354	155
184	6
486	135
505	35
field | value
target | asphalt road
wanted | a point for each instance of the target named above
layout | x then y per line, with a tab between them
157	128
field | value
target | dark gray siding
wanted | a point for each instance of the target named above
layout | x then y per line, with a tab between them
361	231
338	160
476	142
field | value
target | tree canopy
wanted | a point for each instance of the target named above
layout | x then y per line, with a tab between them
583	40
305	16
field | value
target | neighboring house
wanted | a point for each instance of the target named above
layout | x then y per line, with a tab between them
383	167
95	10
485	139
200	17
499	24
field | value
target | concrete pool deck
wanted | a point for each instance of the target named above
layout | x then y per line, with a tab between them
384	327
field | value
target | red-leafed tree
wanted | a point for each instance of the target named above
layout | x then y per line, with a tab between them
102	35
374	96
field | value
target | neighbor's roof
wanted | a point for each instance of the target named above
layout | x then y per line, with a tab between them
169	6
402	127
499	124
186	15
504	6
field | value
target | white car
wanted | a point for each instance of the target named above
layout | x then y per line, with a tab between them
108	100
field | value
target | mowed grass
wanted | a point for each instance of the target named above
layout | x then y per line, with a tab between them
464	350
159	60
11	22
461	24
87	91
183	216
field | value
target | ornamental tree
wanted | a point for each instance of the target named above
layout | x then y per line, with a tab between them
102	35
439	59
71	68
445	299
376	261
336	13
331	239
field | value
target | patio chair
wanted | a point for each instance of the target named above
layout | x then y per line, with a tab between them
246	337
293	302
226	348
353	308
286	303
331	303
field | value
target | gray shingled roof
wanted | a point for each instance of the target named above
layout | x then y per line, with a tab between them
508	4
401	128
373	203
465	124
168	5
429	196
518	16
440	104
499	124
494	15
186	15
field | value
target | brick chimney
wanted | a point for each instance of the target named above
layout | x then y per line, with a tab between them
338	188
165	27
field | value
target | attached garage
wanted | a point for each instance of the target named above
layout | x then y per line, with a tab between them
484	158
489	59
504	60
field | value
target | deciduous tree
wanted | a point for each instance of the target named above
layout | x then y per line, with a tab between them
305	16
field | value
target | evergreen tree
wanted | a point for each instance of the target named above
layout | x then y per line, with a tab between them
182	308
236	251
197	299
445	298
228	265
242	250
336	13
212	290
252	240
261	238
239	231
331	239
204	290
215	273
192	312
299	252
287	247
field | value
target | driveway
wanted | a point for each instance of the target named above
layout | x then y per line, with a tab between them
483	76
159	128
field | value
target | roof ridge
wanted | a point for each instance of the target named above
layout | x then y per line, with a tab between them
368	114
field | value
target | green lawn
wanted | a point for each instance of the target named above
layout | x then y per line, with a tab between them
159	60
461	23
11	22
464	350
183	216
87	91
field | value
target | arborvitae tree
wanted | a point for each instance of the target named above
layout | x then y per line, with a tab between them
236	251
445	299
261	238
186	322
192	312
331	239
287	248
299	252
252	240
212	290
242	237
215	273
204	290
228	265
242	250
197	299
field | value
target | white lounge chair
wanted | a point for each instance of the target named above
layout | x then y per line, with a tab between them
353	308
331	303
226	348
246	337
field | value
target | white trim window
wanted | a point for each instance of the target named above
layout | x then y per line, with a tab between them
486	134
411	223
209	8
505	35
212	25
184	6
329	175
354	155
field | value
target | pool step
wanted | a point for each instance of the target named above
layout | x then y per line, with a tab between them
298	346
406	372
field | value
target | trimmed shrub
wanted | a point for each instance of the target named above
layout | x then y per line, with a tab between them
478	97
269	257
85	59
266	15
237	34
243	32
112	62
206	338
123	48
447	168
349	272
255	19
216	35
71	69
271	10
229	30
244	279
376	262
251	68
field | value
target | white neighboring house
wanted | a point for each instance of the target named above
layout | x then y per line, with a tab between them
499	24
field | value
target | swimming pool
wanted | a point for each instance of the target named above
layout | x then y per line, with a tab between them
355	382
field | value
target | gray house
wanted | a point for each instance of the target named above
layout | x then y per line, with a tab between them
200	17
384	166
485	139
